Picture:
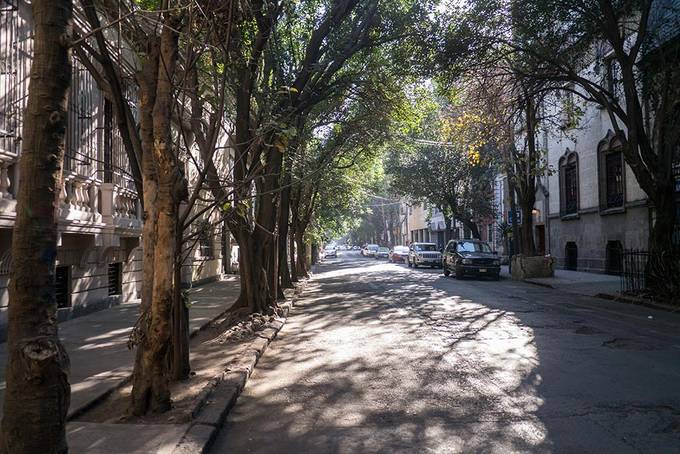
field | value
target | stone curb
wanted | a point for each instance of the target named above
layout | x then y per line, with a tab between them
637	301
218	397
618	298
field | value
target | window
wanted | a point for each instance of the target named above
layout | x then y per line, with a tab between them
115	278
613	77
62	286
9	67
108	142
611	172
205	245
614	178
82	131
569	187
473	246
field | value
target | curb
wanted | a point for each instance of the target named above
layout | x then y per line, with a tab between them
637	301
219	396
540	284
79	411
618	298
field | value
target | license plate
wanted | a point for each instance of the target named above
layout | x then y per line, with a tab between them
482	270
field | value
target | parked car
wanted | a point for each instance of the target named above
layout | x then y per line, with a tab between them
471	257
356	248
424	254
398	254
382	253
370	250
330	251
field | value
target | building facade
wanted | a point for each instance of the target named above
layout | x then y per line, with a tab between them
99	217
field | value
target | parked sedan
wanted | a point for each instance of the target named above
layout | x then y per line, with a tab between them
470	257
398	254
424	254
330	251
382	253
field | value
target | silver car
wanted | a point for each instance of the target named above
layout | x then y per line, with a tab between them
424	254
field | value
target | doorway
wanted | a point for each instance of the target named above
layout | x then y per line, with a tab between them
614	258
571	256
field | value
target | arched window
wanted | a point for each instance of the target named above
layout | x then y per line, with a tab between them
569	188
611	172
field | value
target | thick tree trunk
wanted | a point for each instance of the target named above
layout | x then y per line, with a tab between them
37	390
255	293
527	227
661	234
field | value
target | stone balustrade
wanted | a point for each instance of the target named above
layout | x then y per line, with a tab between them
79	200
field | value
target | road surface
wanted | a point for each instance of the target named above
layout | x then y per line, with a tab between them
377	357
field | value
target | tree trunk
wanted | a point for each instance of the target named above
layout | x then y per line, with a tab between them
527	196
301	259
151	376
291	253
37	391
284	215
180	365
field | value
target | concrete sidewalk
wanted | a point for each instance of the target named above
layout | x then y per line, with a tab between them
577	282
97	343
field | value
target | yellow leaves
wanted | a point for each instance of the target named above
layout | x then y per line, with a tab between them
469	131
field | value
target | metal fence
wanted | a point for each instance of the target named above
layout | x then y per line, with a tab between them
652	275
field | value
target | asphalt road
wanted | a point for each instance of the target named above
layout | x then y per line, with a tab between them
377	357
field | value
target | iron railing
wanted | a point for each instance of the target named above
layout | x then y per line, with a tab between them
652	275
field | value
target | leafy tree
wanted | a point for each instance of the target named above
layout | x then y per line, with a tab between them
619	55
445	161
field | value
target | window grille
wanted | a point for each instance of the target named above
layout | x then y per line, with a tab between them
569	184
115	280
614	179
62	286
205	243
570	189
9	67
81	135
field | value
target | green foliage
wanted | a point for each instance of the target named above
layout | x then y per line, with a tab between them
445	161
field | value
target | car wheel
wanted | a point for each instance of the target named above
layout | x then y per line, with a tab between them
447	273
459	273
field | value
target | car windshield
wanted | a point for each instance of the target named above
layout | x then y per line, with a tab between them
425	247
330	248
372	247
473	246
400	249
383	249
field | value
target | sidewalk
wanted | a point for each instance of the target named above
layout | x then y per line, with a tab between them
576	282
97	343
